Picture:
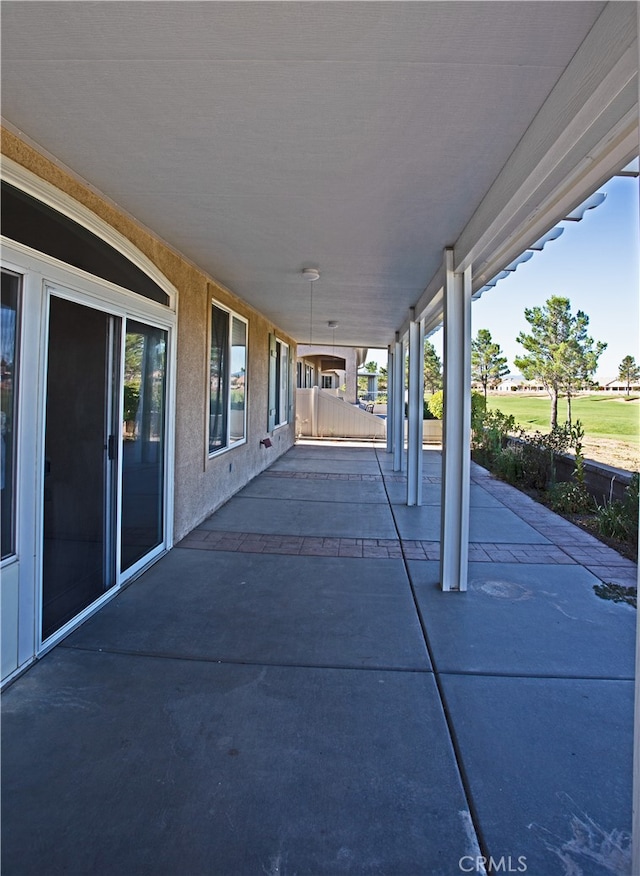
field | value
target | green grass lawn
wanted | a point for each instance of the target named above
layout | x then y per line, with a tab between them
599	414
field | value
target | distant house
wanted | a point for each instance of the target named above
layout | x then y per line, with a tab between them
516	383
619	386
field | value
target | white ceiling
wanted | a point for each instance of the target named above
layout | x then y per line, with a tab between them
258	138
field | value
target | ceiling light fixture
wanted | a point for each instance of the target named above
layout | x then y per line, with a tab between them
333	324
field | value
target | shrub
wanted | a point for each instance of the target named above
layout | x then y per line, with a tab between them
569	498
426	413
508	464
490	439
478	408
492	431
435	405
611	520
539	452
619	519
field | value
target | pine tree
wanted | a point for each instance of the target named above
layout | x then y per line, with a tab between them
629	372
561	354
488	365
432	368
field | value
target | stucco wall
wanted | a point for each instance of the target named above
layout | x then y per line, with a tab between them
201	484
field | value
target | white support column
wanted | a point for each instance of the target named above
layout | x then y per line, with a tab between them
314	411
398	405
635	817
389	398
416	413
456	451
635	830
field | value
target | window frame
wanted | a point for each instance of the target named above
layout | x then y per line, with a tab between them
11	459
228	377
281	392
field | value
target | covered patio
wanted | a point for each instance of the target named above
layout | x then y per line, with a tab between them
270	663
318	705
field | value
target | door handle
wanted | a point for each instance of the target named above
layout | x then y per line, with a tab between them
111	447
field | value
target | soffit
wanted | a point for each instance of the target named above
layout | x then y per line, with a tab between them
260	138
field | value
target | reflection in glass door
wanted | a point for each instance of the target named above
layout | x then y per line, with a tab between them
9	320
143	444
79	479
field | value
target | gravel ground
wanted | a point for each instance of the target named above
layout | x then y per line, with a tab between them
619	454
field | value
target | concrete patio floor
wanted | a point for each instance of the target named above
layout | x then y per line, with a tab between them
289	692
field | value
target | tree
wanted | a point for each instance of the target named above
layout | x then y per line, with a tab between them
432	368
488	366
629	372
561	354
576	367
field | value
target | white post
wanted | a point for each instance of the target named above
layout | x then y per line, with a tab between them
314	412
398	406
635	809
635	817
389	399
456	467
416	413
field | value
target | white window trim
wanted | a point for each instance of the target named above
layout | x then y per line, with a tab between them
230	445
23	179
43	276
285	421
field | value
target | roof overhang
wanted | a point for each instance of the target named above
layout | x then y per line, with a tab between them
399	130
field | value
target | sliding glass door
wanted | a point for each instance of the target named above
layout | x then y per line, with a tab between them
79	469
143	442
104	477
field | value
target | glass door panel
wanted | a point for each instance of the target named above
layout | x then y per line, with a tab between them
143	442
78	564
9	319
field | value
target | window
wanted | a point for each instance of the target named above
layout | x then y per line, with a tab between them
327	381
304	376
280	393
9	317
41	227
227	380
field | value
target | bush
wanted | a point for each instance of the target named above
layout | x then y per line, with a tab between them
619	519
569	498
539	452
426	413
508	464
490	439
435	405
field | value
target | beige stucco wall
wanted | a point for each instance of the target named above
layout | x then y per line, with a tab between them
201	484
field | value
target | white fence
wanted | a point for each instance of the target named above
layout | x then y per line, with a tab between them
319	414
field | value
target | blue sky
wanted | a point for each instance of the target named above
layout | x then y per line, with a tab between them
595	264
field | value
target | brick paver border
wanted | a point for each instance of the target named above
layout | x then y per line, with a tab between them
568	545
